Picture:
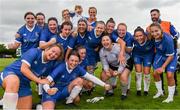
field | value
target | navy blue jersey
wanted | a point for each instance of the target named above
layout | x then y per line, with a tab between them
34	59
46	35
84	63
62	76
142	49
80	40
128	38
28	38
93	41
65	42
165	47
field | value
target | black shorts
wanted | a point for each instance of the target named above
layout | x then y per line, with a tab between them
130	63
113	68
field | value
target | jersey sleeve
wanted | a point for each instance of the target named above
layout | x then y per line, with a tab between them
20	38
57	71
44	35
71	42
29	56
81	70
114	36
129	42
174	32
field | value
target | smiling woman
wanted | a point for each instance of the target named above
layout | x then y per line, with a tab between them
15	78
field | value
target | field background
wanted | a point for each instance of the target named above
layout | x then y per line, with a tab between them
114	102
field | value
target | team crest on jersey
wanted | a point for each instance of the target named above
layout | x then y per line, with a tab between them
36	34
160	47
35	62
62	76
24	34
147	48
89	37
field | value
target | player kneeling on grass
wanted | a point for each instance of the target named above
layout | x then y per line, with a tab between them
165	60
68	83
111	67
15	78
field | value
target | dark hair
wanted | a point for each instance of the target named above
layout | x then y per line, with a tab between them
75	53
110	20
100	22
40	13
123	24
66	23
83	20
106	35
157	25
157	10
29	13
52	18
92	8
139	29
78	47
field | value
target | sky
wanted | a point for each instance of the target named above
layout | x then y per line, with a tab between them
132	12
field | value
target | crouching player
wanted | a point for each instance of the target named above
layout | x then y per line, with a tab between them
165	60
111	67
15	78
68	82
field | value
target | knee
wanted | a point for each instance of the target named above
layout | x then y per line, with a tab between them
11	83
79	81
170	77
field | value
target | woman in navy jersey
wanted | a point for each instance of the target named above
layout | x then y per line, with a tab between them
143	53
165	60
16	77
28	35
46	39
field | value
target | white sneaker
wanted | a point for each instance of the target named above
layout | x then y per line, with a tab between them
39	107
69	100
168	100
158	94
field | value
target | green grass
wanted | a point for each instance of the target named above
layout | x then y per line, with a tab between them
114	102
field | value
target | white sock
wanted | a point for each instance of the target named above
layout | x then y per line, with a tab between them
113	81
124	87
10	101
129	81
147	79
138	80
74	93
171	90
159	86
1	102
40	89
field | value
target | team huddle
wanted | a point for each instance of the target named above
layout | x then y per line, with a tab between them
62	58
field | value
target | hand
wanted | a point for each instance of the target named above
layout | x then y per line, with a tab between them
122	59
53	40
107	87
43	81
90	28
160	70
115	73
52	91
74	33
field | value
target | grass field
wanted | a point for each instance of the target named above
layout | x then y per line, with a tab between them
114	102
